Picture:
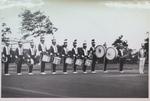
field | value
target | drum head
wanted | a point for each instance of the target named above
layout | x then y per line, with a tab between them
100	51
111	53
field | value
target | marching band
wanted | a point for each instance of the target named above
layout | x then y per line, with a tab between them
75	55
19	57
6	56
43	51
142	56
78	56
54	55
32	56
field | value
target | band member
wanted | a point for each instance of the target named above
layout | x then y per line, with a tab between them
64	56
105	60
83	54
32	54
53	52
7	54
75	55
43	50
94	58
121	53
19	56
141	56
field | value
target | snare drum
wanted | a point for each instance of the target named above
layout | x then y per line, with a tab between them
79	62
56	60
46	58
69	61
88	62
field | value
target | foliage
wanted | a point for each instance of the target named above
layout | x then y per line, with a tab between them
4	32
35	24
117	43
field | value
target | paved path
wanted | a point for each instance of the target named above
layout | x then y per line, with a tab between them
113	84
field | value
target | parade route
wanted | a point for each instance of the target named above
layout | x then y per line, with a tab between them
130	84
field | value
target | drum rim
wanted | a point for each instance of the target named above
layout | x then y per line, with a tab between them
113	49
103	48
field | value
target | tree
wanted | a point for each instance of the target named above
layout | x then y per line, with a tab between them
119	41
35	24
4	32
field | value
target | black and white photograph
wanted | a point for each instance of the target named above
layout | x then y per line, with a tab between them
75	48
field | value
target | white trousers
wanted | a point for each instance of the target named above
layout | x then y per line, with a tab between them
141	65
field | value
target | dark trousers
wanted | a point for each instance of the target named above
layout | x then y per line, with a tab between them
64	65
121	64
93	63
54	67
42	66
74	65
105	63
30	68
6	65
84	66
19	64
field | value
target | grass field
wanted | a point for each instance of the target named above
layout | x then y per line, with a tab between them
130	84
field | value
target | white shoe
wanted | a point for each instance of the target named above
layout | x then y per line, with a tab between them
85	72
43	73
30	73
54	73
105	71
121	71
7	74
65	72
19	73
75	72
93	72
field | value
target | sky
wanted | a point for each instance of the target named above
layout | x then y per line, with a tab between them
84	20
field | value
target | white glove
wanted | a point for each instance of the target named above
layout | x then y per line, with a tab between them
3	55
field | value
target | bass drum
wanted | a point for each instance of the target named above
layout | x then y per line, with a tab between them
111	53
100	51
